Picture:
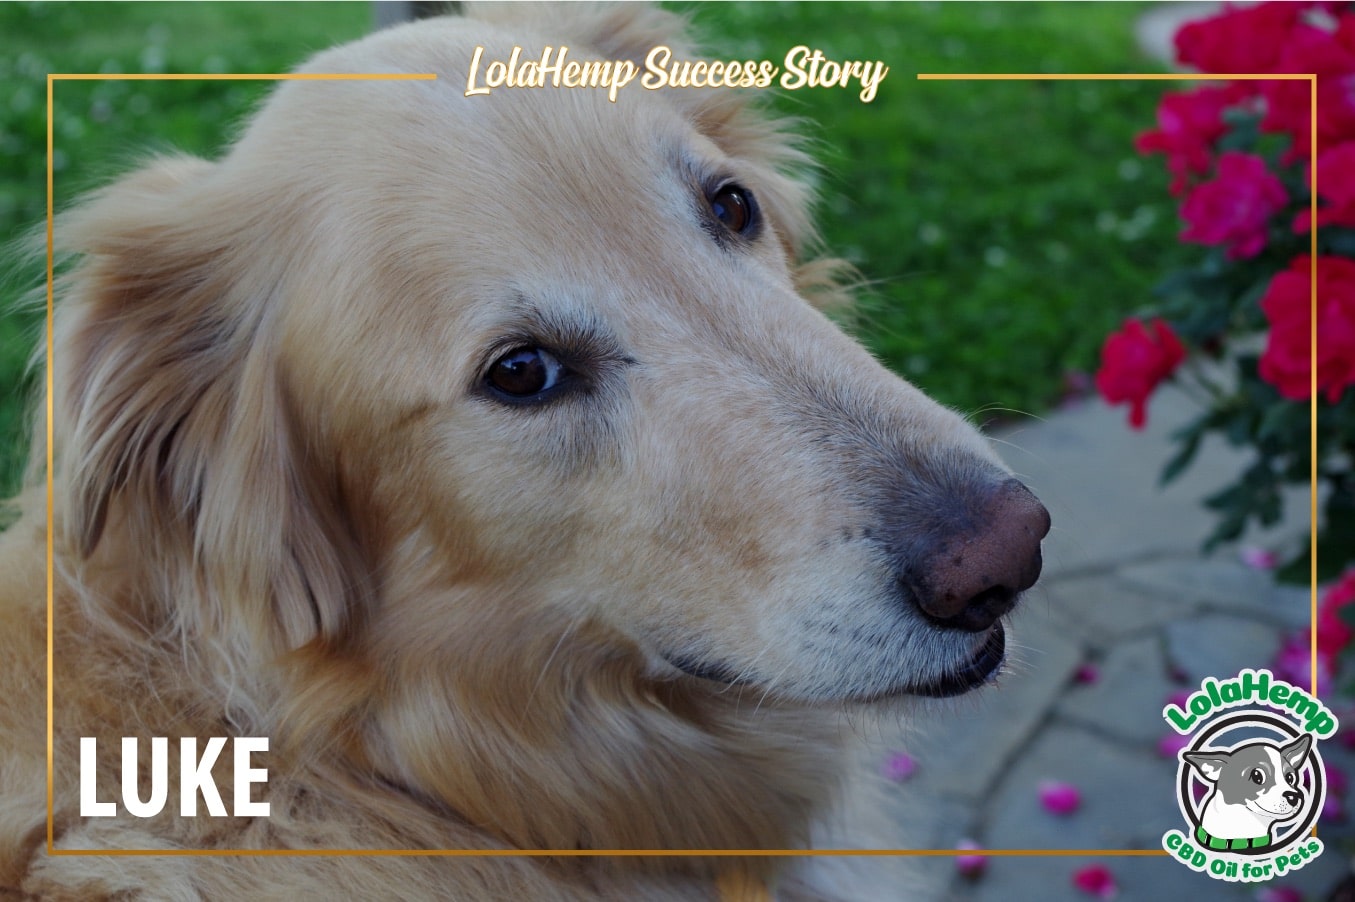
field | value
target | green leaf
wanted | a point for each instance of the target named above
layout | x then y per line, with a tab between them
1336	539
1295	571
1239	428
1336	240
1335	543
1282	420
1190	443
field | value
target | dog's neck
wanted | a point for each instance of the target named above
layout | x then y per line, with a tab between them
538	741
1233	820
533	740
700	772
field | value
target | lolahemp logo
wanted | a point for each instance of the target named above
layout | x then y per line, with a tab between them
1251	783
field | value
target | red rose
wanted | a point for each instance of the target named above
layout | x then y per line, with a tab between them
1287	361
1134	362
1235	206
1336	186
1238	41
1331	55
1189	122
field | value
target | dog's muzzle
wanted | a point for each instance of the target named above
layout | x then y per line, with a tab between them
973	673
978	552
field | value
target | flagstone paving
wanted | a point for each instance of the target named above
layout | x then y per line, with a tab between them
1127	591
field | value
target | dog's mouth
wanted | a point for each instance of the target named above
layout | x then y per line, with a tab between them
705	670
1283	814
973	673
969	675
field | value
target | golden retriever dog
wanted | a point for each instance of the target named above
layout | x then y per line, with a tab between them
487	457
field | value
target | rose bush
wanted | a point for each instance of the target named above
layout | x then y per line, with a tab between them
1244	40
1335	629
1235	330
1235	206
1287	304
1336	188
1189	122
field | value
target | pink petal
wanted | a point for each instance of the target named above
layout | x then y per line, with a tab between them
971	866
1259	558
1169	745
1059	798
1086	674
1096	880
1278	894
899	766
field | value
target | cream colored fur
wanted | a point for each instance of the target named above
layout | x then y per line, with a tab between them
285	508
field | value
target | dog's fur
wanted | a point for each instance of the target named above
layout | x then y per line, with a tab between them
286	504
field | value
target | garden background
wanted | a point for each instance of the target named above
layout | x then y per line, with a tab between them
1004	229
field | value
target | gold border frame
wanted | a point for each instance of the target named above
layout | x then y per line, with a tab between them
589	853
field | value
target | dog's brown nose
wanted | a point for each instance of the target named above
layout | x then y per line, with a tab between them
976	573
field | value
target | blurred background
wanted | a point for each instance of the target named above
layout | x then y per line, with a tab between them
1003	231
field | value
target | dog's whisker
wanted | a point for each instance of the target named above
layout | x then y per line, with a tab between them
566	634
1023	415
770	685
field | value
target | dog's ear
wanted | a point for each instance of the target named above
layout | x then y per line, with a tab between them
174	427
1209	764
1296	751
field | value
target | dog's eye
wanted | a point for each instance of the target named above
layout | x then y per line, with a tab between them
1290	779
733	206
1256	776
525	373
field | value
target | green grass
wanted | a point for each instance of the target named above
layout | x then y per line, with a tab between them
1005	227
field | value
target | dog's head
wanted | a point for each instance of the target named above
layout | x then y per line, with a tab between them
465	390
1260	777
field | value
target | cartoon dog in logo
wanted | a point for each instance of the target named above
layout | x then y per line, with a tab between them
1256	785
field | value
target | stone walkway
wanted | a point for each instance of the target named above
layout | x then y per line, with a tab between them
1125	589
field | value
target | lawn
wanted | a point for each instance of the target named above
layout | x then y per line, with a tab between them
1003	227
